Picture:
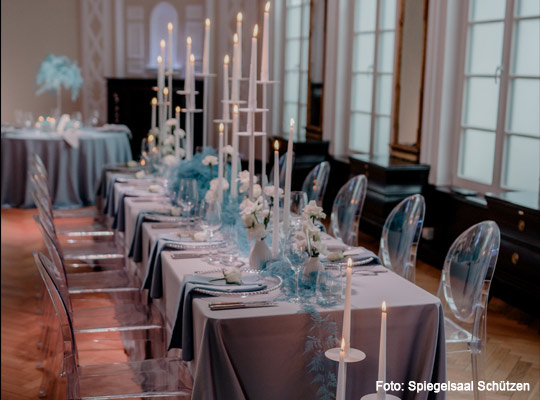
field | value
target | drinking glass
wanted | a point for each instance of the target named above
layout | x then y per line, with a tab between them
188	196
295	257
229	254
210	216
329	290
94	118
28	119
298	202
76	119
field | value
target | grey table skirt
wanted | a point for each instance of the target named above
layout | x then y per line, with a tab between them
73	172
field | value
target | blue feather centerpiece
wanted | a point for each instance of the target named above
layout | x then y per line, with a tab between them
57	71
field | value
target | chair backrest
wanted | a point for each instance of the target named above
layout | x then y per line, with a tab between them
70	356
400	235
282	170
315	183
347	210
467	272
58	273
41	190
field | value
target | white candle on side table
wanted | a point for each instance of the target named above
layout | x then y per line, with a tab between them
288	178
220	164
234	165
275	220
252	105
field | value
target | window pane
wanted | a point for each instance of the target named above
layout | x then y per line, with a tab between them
477	154
384	94
522	163
382	135
305	20
359	132
387	14
485	48
481	103
527	51
293	22
292	54
291	86
303	88
386	52
365	14
482	10
305	54
361	92
527	8
524	105
363	52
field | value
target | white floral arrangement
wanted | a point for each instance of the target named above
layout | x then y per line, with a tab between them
180	132
212	193
309	239
255	215
169	160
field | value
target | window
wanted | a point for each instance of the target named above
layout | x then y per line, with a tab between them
161	15
296	60
372	76
499	146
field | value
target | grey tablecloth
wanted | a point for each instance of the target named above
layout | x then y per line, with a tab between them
73	172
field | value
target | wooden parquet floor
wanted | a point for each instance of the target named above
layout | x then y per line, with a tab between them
513	350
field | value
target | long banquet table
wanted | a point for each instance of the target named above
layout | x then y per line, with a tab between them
74	171
260	353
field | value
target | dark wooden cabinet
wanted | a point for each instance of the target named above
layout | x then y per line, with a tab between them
129	103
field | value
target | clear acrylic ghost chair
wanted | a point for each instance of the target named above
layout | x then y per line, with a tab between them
282	170
37	166
315	183
400	236
160	377
347	210
464	292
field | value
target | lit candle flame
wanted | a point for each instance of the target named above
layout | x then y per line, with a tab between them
150	138
192	58
40	118
255	30
349	262
177	109
162	43
159	59
226	59
342	344
235	38
221	128
166	91
207	22
292	122
267	7
384	306
143	162
239	17
170	26
188	40
154	101
276	145
235	109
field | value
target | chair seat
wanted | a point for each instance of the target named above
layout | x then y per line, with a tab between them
95	251
150	378
101	281
122	317
456	334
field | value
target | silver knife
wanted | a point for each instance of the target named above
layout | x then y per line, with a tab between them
220	305
181	256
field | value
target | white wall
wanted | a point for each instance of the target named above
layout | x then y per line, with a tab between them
30	31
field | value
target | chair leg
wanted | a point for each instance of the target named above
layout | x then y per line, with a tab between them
477	373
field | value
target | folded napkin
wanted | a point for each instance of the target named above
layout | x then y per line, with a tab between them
182	334
153	279
115	128
358	254
71	137
135	249
119	221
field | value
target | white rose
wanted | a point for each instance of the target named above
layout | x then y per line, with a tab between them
319	246
232	275
258	231
210	196
210	160
249	207
243	178
169	160
180	132
154	131
176	211
248	220
169	140
335	256
312	210
257	190
214	183
139	174
154	188
228	150
269	191
199	236
171	122
181	152
132	163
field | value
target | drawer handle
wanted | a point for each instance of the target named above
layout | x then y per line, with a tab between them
515	258
521	225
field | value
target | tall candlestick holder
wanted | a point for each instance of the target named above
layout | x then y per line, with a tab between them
206	99
189	111
265	85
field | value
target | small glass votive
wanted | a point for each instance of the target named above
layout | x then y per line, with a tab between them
329	289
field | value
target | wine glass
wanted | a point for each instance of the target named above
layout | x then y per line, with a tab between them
188	196
210	215
94	118
298	202
229	253
295	257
